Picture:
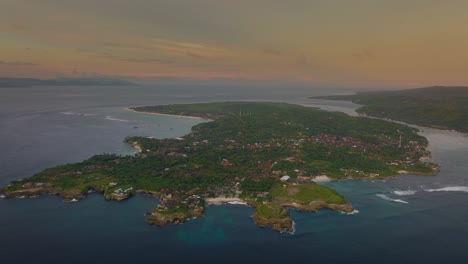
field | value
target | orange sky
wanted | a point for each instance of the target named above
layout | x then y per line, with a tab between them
361	42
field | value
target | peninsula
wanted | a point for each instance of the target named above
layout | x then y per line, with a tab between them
266	155
440	107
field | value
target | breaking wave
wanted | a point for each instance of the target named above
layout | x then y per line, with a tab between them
385	197
404	193
116	119
450	189
76	114
293	232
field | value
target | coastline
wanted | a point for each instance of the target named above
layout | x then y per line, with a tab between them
321	178
137	146
161	114
223	200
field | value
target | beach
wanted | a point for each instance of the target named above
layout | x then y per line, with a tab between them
321	178
160	114
224	200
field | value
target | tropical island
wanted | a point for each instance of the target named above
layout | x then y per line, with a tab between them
440	107
267	155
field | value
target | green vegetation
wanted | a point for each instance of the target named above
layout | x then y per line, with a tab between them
243	152
306	193
271	210
438	107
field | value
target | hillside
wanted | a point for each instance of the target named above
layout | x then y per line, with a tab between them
438	107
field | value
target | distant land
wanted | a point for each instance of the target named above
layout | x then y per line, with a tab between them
440	107
267	155
28	82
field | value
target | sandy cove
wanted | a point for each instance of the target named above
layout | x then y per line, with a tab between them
321	178
223	200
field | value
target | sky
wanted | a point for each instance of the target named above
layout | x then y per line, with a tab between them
401	43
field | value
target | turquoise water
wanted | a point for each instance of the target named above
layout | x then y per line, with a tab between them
418	219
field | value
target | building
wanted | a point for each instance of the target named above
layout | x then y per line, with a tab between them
285	178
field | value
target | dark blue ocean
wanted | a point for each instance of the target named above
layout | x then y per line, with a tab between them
409	219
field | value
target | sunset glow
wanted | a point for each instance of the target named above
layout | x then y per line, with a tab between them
399	43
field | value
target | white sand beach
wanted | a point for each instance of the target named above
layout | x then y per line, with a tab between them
184	116
321	178
223	200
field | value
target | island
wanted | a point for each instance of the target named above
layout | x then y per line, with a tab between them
266	155
441	107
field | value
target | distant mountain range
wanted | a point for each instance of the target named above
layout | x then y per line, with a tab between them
28	82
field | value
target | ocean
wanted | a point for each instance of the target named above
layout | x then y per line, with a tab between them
407	219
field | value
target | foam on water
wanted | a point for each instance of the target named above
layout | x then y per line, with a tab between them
385	197
450	189
116	119
76	114
352	213
404	193
293	228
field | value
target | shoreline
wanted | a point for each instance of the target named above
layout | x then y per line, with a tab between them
223	200
161	114
137	146
322	178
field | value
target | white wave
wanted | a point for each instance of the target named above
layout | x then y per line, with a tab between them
385	197
2	196
293	228
76	114
351	213
116	119
236	202
404	193
450	189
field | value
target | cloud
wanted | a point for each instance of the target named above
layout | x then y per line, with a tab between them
301	60
17	63
110	56
16	27
272	52
194	55
363	55
144	60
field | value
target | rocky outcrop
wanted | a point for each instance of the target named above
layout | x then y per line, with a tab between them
117	196
280	220
71	195
161	219
30	189
317	205
30	192
278	224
